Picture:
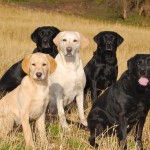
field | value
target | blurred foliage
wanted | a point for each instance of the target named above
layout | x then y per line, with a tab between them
132	12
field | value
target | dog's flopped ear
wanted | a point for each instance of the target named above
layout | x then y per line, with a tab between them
119	39
96	37
52	64
84	42
55	31
25	64
130	64
56	39
34	35
99	38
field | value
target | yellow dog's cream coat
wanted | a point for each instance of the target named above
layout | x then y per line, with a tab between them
30	99
68	80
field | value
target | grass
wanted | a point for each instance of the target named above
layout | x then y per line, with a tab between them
102	10
16	26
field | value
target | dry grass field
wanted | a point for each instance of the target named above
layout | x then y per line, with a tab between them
16	26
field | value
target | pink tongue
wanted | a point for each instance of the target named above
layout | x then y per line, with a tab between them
143	81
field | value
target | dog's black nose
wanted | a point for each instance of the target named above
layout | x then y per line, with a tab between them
38	74
45	39
143	72
69	49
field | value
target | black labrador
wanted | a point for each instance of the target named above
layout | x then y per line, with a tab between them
124	104
102	70
43	37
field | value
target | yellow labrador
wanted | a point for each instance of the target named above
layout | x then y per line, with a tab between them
30	99
68	80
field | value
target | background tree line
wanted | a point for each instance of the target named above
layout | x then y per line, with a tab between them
126	7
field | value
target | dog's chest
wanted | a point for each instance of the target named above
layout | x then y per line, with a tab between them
72	87
38	105
69	84
135	111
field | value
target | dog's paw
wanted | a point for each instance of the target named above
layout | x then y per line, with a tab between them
84	127
139	145
96	145
66	128
84	122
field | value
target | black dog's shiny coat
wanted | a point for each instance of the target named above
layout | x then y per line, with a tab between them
125	103
43	37
102	70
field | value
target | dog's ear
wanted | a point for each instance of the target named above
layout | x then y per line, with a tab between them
130	64
55	31
34	35
25	64
52	64
119	39
96	37
84	42
56	39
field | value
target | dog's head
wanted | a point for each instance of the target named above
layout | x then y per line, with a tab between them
108	41
38	66
43	36
69	42
139	65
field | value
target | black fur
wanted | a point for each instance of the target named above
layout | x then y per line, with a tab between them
125	103
102	70
43	37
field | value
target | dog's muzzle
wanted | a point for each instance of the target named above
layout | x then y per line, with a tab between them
45	43
69	51
109	46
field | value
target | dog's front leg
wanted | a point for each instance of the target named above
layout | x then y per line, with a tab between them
40	125
79	100
94	90
27	130
138	134
122	134
61	114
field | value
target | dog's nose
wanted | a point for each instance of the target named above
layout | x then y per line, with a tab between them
45	39
109	43
38	74
143	72
69	49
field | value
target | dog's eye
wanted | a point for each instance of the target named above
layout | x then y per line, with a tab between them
49	32
33	64
44	64
42	33
139	62
64	40
75	40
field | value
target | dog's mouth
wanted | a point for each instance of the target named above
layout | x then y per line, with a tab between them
143	81
69	54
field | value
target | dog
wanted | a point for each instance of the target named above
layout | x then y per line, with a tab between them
68	80
43	37
102	70
30	99
124	104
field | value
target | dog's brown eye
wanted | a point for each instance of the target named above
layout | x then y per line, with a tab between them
42	33
44	64
33	64
49	32
64	40
139	62
75	40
